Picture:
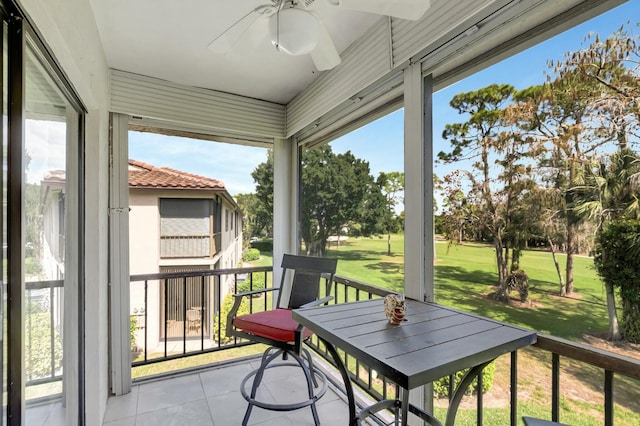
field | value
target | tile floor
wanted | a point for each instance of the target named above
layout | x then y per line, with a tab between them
212	397
46	414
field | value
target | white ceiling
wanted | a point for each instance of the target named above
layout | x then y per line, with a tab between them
169	39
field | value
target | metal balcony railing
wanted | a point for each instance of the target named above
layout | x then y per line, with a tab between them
203	332
43	315
206	337
180	314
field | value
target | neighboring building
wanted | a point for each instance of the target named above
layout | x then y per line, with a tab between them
179	222
50	254
52	194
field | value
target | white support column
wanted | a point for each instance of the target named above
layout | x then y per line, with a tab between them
72	303
285	202
119	256
418	196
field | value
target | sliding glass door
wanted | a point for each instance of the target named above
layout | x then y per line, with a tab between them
42	156
3	221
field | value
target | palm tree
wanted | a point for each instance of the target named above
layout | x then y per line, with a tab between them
608	192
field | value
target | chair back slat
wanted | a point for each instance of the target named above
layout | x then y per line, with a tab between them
307	274
309	263
304	289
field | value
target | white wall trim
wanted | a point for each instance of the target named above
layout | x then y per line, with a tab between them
72	307
120	365
209	111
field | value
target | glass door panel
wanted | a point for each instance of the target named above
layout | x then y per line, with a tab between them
3	224
48	279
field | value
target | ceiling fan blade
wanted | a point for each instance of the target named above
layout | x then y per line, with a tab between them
228	38
325	55
405	9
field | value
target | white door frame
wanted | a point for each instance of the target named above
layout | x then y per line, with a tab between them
418	196
119	319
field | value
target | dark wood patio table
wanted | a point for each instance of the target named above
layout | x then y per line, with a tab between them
433	341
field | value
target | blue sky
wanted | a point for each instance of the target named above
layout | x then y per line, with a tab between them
380	142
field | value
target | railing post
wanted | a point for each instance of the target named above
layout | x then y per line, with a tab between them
184	315
202	313
218	290
514	388
555	387
146	329
608	398
479	400
52	341
166	310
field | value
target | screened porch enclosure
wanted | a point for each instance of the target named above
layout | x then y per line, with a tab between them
124	65
373	80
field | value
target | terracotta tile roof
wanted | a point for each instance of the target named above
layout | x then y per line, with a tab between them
142	175
54	176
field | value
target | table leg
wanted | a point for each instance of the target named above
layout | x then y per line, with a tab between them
353	419
460	391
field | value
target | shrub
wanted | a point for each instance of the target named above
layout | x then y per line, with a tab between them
32	267
38	346
133	325
250	255
220	333
258	283
617	260
263	245
441	386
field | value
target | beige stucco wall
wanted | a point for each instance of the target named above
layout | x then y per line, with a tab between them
144	252
52	261
70	31
144	232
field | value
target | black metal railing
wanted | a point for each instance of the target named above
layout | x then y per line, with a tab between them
610	363
181	314
378	387
43	331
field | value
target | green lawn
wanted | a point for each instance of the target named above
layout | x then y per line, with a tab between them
464	276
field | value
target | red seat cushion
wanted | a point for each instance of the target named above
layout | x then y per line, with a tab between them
275	325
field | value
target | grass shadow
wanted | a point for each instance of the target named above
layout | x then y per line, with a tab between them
448	275
354	255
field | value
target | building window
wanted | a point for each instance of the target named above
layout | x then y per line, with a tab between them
186	228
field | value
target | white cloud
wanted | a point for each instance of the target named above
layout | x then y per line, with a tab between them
45	143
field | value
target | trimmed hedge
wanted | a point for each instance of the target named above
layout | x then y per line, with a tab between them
250	255
263	245
37	360
258	283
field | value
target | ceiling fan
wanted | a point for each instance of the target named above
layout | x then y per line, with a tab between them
294	28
